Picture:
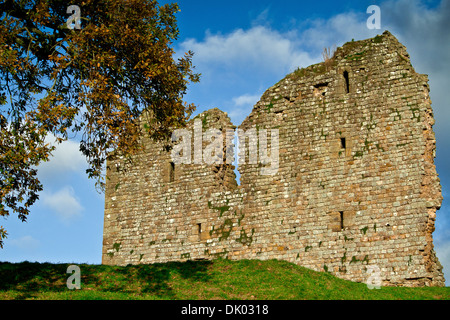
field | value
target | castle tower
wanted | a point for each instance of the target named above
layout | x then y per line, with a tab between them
343	179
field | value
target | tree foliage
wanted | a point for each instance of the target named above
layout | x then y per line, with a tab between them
96	80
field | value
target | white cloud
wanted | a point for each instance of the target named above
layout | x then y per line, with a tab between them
24	243
246	99
66	158
63	203
257	47
337	30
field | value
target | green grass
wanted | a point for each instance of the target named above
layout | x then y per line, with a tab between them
193	280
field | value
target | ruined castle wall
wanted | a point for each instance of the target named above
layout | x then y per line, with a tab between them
355	186
158	211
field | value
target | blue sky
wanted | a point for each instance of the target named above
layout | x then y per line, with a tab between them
241	49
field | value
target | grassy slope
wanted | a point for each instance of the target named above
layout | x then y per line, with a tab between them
218	279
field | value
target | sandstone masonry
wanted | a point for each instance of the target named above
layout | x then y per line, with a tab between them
356	185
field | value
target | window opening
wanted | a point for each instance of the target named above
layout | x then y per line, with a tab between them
343	143
199	230
172	172
347	83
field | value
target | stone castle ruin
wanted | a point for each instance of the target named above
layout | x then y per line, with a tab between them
355	190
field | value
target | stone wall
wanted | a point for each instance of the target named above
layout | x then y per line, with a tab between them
355	185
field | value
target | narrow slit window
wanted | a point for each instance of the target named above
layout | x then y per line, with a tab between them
172	172
347	82
199	230
341	217
343	143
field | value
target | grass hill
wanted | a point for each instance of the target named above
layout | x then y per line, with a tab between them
194	280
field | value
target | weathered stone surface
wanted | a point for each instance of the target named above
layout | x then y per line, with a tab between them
356	184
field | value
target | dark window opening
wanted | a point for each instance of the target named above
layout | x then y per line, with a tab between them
199	230
172	172
343	143
341	216
347	83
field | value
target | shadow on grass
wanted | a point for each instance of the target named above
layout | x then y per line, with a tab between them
156	278
29	279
